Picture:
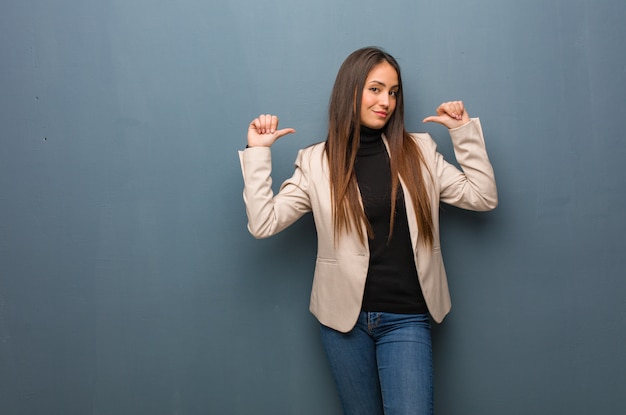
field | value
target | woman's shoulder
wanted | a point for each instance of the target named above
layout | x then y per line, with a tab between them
315	147
312	150
312	155
424	140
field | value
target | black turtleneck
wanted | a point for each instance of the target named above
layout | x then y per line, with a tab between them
392	285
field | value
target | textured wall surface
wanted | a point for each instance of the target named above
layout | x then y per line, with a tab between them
129	284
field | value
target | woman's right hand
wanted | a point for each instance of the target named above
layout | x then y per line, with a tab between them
263	131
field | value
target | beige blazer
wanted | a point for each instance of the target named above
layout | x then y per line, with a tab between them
341	269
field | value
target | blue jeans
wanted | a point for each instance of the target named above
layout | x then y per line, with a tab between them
383	365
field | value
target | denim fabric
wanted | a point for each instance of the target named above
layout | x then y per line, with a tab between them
383	366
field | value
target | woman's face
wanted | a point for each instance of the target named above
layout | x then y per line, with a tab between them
379	96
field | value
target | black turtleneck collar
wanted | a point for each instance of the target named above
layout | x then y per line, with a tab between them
371	141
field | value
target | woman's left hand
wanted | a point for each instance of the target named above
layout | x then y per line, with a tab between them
451	114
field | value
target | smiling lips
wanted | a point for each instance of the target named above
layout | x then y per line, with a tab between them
381	114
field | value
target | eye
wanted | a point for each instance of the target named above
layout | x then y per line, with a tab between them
393	93
374	89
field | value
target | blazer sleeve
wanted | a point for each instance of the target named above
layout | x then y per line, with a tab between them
270	213
474	186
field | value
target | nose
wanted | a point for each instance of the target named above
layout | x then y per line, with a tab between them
384	100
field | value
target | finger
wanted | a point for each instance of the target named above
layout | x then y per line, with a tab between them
255	125
461	107
265	123
443	108
262	124
432	118
446	109
284	132
258	122
273	123
269	126
456	109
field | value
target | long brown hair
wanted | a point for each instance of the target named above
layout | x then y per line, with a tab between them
342	143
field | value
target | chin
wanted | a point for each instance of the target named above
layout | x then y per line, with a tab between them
375	125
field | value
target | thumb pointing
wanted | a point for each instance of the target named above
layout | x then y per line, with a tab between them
284	131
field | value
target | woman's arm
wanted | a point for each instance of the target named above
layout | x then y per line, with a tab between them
474	187
267	213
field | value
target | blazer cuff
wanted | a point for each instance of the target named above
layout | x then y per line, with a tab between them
256	154
472	121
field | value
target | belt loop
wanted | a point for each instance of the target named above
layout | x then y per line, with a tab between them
373	318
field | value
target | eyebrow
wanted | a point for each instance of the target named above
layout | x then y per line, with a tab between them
381	83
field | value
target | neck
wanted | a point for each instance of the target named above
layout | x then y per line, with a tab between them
371	141
371	132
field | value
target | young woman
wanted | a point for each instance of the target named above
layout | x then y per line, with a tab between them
374	191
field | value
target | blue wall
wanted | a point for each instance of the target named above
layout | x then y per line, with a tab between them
129	283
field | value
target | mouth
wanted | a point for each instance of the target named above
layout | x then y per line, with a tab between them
381	114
